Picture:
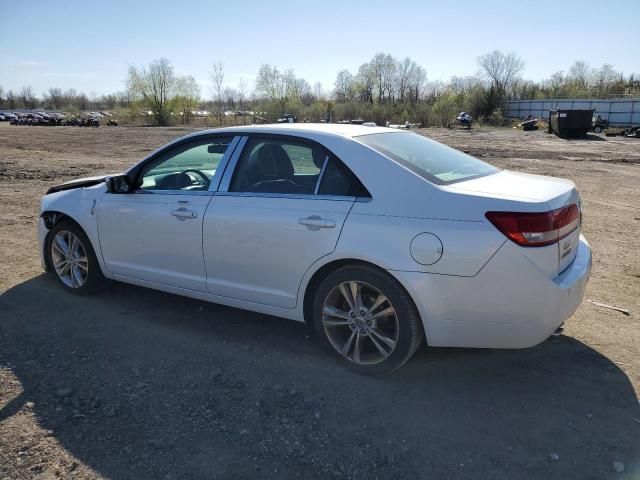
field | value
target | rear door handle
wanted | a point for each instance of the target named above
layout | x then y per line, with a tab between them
314	222
182	213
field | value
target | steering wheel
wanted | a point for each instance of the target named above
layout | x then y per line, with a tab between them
198	173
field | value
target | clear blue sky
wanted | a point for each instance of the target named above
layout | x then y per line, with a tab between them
88	45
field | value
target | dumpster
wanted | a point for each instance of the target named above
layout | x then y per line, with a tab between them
570	123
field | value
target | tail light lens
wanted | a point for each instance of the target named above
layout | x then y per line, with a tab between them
536	229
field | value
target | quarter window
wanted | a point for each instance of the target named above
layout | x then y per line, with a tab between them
187	167
338	180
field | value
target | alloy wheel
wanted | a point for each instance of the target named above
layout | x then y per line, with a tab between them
69	259
360	322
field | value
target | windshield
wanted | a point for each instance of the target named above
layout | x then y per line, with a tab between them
429	159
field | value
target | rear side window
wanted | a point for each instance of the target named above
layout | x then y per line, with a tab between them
338	180
290	167
274	166
433	161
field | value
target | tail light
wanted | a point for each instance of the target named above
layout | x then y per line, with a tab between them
536	229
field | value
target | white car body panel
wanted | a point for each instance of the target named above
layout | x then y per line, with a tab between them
141	238
497	309
250	252
262	257
78	204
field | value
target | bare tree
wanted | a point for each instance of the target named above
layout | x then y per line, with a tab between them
54	97
603	80
344	86
318	92
217	79
299	89
384	73
155	85
415	78
365	82
501	69
273	84
405	71
12	99
27	98
556	85
242	92
581	73
187	96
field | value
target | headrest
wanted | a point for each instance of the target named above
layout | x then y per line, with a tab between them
273	162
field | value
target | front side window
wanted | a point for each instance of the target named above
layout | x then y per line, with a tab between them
433	161
187	167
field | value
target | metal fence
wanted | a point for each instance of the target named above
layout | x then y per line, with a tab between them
623	112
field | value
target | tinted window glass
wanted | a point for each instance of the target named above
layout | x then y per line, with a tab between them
339	180
275	166
187	167
432	160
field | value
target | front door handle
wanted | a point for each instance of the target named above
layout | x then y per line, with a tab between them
182	213
314	222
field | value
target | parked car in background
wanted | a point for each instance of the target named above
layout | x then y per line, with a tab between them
7	116
380	239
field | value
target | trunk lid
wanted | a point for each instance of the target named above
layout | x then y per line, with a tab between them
544	194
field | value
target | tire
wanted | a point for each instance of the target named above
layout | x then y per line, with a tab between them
597	129
81	277
335	326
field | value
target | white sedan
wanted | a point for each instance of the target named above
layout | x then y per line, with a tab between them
378	238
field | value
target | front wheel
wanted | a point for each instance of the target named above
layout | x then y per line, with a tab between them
365	317
72	260
597	129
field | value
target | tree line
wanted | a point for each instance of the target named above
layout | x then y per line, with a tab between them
382	89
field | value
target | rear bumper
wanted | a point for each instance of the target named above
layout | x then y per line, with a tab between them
511	303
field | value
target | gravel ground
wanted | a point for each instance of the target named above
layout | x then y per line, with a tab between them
139	384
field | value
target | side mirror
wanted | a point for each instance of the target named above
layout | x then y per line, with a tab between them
118	184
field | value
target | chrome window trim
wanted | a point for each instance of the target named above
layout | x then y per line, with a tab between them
294	196
201	193
321	175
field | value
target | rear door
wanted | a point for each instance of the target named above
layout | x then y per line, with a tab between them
281	207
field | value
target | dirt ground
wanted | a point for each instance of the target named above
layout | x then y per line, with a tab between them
134	383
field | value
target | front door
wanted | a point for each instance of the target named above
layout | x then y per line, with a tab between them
155	233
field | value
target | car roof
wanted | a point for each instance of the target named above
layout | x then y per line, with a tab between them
344	130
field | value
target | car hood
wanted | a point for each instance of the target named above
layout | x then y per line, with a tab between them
78	183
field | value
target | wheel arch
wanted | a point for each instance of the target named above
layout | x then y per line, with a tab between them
51	218
331	266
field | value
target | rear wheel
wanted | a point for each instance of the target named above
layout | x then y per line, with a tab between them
365	317
72	260
597	129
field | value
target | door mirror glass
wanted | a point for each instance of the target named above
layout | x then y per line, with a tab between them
118	184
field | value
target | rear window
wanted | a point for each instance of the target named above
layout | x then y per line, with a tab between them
435	162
